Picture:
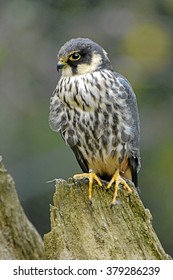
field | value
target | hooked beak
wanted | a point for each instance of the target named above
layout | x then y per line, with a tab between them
60	64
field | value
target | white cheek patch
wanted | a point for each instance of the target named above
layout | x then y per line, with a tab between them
88	68
67	71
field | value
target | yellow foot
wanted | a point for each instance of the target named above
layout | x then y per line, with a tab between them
117	179
91	176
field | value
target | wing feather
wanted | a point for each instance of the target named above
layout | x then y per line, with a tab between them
81	160
131	106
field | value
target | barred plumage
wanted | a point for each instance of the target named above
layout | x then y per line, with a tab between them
95	111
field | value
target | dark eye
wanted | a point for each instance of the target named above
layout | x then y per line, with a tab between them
75	56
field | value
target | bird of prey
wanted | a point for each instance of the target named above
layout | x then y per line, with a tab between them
95	110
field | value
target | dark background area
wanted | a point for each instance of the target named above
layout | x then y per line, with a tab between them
138	38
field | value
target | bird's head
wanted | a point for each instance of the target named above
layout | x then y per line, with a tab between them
80	56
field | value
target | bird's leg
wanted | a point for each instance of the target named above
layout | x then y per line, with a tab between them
117	179
91	176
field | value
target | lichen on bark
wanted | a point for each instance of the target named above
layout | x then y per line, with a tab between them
83	231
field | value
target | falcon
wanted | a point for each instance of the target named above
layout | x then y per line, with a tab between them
95	110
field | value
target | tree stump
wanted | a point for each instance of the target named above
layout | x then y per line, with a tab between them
97	231
78	230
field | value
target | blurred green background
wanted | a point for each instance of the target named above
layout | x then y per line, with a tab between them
139	39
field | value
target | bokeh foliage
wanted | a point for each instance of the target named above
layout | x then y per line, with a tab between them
138	37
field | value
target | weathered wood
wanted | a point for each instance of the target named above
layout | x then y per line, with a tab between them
18	237
78	230
83	231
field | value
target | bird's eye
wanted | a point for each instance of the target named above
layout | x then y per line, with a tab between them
75	56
